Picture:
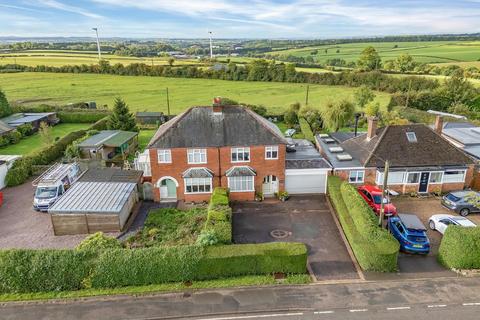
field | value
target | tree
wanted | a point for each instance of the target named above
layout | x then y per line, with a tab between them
336	115
45	133
121	118
171	61
364	95
291	115
404	62
313	118
369	59
373	109
457	89
5	108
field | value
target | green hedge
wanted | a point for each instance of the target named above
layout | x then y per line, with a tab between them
22	169
250	259
374	248
42	270
81	116
219	216
306	130
460	248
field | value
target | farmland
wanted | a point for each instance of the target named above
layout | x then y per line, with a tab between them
148	93
428	52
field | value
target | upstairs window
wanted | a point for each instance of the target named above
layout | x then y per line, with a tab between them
271	152
164	156
195	156
241	154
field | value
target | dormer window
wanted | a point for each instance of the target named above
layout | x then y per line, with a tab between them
411	137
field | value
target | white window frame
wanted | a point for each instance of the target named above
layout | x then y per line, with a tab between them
271	150
240	150
356	172
231	181
418	180
199	182
430	177
192	153
166	154
459	181
379	178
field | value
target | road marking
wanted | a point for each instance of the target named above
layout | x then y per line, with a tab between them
398	308
437	306
358	310
323	312
471	304
273	315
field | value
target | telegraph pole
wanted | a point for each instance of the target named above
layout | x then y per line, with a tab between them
168	105
98	44
306	98
211	47
384	189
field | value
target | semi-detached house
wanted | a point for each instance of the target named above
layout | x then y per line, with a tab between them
227	146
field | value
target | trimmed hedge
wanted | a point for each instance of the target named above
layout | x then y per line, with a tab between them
26	270
460	248
375	248
306	130
22	169
219	216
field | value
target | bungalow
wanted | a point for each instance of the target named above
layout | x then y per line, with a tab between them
5	128
150	117
109	145
34	119
420	159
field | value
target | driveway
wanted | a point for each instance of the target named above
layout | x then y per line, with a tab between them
23	227
304	219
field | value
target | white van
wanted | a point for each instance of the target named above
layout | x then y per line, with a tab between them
53	183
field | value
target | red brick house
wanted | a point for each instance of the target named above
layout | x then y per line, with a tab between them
207	147
421	160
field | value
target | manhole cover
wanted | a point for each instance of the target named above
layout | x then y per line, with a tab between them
279	234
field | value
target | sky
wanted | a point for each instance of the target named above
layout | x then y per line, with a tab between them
237	18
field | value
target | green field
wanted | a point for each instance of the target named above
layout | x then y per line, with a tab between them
148	93
33	143
62	58
428	52
144	137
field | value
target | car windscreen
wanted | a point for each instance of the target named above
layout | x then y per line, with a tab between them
46	192
453	198
378	199
416	238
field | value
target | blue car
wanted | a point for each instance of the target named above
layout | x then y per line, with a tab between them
410	232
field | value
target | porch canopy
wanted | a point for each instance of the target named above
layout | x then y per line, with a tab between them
198	173
240	171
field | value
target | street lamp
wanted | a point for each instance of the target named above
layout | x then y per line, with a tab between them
210	33
98	44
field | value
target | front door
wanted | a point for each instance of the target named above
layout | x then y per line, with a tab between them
168	189
424	182
270	185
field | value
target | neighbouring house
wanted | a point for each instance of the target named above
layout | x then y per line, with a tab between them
109	145
227	146
34	119
466	136
420	159
156	118
5	128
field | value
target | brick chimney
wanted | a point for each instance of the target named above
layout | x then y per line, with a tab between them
217	105
372	127
439	124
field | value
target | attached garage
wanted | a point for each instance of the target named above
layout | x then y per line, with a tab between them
302	181
306	171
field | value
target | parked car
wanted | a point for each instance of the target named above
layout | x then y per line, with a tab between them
290	132
457	202
410	233
440	222
373	196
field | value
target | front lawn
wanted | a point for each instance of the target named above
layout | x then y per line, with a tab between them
169	227
34	143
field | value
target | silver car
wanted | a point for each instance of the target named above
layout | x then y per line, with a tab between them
457	202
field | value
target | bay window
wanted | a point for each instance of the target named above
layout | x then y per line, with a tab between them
241	183
198	185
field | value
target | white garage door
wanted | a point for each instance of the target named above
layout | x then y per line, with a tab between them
299	181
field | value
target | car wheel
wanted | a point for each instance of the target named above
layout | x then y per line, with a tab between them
432	225
464	212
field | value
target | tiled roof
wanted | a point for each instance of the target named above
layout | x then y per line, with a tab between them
198	173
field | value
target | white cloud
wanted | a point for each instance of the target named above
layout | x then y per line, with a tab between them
68	8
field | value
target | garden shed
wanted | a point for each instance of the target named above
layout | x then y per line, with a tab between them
89	207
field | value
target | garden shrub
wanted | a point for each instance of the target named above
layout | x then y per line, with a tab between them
460	248
374	248
219	216
207	238
26	270
98	241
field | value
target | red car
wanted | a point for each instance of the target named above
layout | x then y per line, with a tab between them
373	197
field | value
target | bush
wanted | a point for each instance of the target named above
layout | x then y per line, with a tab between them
207	238
25	129
374	248
460	248
42	270
250	259
98	241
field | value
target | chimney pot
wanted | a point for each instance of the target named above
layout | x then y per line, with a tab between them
217	105
439	124
372	127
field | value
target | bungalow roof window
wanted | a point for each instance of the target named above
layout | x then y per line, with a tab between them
412	137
